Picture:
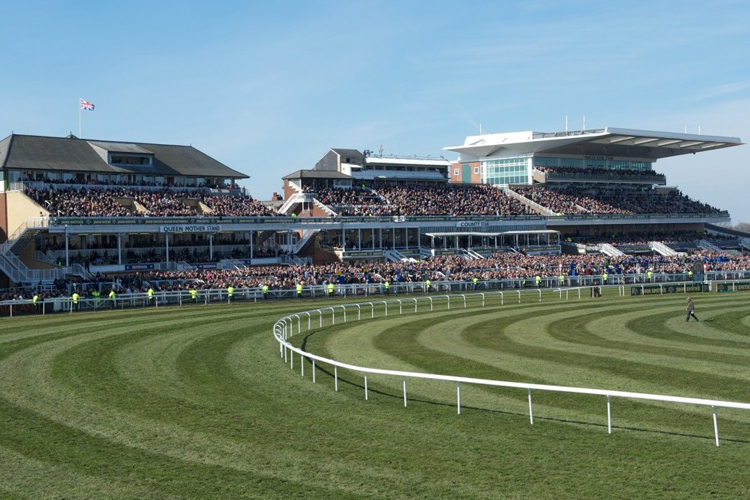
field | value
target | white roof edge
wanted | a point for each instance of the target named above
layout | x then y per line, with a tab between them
672	135
406	161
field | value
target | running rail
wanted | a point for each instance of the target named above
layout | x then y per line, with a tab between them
284	329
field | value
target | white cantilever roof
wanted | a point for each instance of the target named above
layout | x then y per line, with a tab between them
620	142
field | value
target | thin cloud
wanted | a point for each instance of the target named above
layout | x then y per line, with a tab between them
724	90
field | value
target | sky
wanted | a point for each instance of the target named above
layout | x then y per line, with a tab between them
267	88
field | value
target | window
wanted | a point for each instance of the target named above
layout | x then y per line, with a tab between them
476	170
455	172
507	171
126	159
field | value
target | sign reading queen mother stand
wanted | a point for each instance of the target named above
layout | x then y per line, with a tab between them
191	228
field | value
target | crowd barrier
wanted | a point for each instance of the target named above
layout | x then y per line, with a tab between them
640	285
284	329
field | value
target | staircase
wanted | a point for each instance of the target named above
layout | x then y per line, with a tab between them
20	273
661	248
707	245
395	256
324	207
530	203
610	250
472	254
307	236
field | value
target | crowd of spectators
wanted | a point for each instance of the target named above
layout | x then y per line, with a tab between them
614	201
384	199
602	173
567	202
441	268
159	203
499	266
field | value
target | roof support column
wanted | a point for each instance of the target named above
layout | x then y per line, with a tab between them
119	249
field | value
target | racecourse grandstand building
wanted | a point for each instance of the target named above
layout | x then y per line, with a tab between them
78	209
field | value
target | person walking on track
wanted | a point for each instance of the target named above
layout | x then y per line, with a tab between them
691	310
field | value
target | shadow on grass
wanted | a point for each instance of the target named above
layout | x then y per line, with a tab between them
399	397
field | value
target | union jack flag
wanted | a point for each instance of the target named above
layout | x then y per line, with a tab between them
86	105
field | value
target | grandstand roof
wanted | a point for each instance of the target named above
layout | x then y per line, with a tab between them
29	152
316	174
407	161
620	142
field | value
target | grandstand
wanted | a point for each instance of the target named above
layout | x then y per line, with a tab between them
93	212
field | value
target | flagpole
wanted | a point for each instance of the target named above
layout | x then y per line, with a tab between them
79	118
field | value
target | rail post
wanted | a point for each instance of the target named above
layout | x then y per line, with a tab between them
531	410
716	425
404	383
458	397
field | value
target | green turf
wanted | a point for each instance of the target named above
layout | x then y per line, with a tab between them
195	402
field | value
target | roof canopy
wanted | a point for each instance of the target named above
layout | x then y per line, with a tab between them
620	142
29	152
317	174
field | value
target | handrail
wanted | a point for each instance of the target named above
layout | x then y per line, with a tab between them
280	331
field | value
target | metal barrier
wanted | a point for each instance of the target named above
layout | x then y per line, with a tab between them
210	296
282	332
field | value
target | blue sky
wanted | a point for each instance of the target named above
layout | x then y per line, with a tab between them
269	87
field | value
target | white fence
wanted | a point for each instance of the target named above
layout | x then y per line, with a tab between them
284	328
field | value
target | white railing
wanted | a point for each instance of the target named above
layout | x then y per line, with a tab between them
661	248
707	245
531	203
284	329
325	208
31	223
474	254
610	250
306	235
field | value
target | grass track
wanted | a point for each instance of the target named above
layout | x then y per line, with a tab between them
194	402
